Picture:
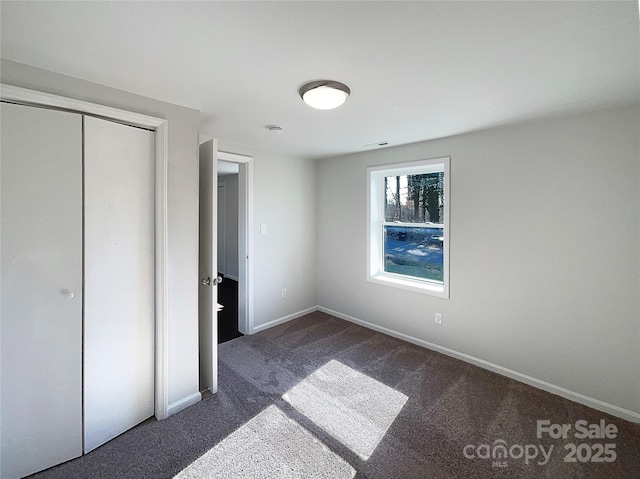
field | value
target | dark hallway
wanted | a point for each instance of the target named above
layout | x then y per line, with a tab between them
228	317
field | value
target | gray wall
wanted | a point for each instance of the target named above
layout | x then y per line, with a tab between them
231	225
545	264
545	227
285	200
183	129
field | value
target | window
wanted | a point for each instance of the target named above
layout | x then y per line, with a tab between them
408	243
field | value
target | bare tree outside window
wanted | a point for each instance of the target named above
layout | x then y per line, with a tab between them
414	198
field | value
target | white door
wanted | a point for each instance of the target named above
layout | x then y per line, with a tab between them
119	279
208	268
41	288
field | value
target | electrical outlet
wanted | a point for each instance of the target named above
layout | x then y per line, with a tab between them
284	293
438	318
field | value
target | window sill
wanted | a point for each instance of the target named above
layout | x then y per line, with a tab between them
432	289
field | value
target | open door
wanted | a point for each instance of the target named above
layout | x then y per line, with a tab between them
208	268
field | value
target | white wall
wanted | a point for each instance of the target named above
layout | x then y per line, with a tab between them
545	263
545	227
182	278
285	200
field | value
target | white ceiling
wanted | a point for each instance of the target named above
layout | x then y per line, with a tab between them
417	70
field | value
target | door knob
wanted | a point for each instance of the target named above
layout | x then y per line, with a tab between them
208	281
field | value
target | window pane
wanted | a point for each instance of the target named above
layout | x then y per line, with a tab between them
415	198
414	251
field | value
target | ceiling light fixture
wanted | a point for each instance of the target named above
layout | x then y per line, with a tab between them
324	94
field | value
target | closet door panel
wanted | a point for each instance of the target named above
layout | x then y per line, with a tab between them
119	279
41	288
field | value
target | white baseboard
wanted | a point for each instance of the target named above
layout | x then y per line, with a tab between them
183	403
531	381
230	276
284	319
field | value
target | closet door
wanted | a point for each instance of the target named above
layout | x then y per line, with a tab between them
119	279
41	288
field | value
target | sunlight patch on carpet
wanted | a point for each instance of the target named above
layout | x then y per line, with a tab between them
355	409
268	446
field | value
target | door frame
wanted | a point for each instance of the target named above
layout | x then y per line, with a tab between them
245	238
160	127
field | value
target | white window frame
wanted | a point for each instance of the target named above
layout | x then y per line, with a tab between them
376	221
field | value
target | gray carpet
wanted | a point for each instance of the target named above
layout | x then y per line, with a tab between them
352	407
269	445
406	413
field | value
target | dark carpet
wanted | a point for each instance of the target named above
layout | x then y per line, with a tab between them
452	408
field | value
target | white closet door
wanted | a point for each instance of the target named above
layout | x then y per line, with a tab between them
119	279
41	288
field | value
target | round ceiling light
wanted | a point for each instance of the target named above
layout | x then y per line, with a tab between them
324	94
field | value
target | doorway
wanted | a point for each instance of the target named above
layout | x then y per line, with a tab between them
235	181
210	281
228	215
